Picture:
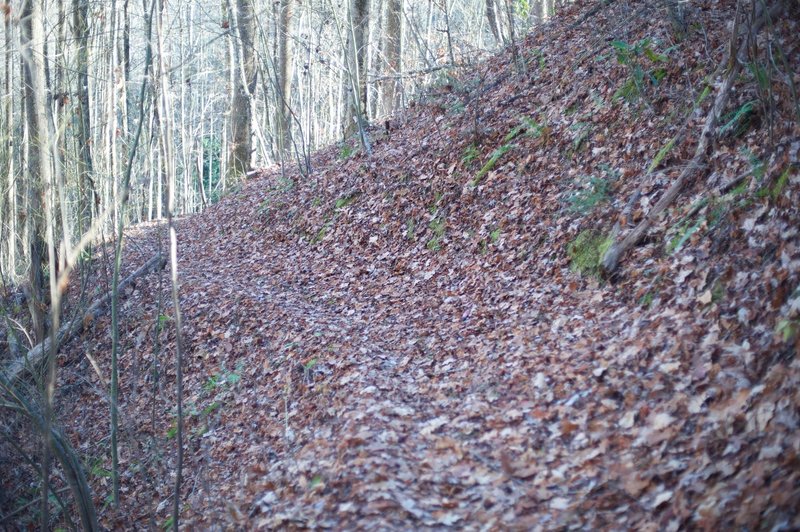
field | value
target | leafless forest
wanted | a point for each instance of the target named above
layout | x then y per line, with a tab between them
399	264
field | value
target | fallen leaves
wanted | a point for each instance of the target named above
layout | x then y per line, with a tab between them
383	383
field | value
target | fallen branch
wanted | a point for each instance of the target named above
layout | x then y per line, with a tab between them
589	14
37	354
612	257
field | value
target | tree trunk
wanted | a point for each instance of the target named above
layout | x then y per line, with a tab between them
39	166
244	84
361	37
491	17
284	62
10	207
393	53
358	37
87	192
34	95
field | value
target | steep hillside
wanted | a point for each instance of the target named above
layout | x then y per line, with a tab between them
423	337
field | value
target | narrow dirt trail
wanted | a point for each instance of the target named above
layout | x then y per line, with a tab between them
392	343
429	397
367	400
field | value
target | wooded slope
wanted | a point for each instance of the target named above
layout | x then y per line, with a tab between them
423	338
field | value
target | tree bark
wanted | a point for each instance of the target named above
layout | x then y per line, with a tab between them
34	95
284	62
244	84
87	192
393	53
358	37
491	18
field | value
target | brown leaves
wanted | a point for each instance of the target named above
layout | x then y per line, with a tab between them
423	356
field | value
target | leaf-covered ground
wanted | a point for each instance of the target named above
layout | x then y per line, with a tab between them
402	340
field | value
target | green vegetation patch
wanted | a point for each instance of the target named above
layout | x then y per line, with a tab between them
643	64
595	190
486	168
344	201
438	227
586	252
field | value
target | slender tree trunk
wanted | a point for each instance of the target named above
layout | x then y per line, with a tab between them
284	62
491	17
393	53
115	342
168	161
34	96
86	187
450	53
361	38
355	86
35	93
8	150
244	84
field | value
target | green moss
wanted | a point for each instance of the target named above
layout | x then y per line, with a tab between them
346	151
411	226
437	227
471	154
320	235
586	252
344	201
780	184
496	155
661	154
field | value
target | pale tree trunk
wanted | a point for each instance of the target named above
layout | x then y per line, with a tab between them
10	207
446	8
186	45
284	61
126	64
375	60
112	123
361	38
356	81
34	96
35	93
535	13
512	35
120	202
168	159
393	53
116	350
244	84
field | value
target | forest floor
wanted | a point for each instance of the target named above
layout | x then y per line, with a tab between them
405	341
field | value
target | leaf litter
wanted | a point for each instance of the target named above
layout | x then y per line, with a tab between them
420	354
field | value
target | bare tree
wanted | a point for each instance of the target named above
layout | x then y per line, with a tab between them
39	165
80	28
284	76
393	55
244	85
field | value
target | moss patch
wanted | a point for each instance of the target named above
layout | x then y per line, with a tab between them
586	252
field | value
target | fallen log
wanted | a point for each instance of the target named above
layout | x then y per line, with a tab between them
36	356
